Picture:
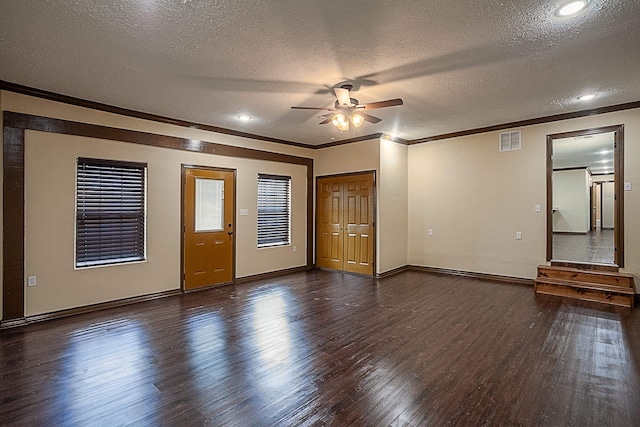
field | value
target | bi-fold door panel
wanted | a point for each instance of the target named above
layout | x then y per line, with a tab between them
345	223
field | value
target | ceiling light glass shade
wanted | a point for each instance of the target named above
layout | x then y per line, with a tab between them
357	120
343	126
572	8
340	121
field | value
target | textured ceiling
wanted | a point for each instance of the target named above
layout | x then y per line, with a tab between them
457	65
592	151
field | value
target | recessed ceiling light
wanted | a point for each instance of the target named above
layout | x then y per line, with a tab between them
244	118
572	8
586	97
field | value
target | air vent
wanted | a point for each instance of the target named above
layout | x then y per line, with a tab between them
510	141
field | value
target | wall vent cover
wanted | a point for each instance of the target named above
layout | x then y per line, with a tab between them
510	141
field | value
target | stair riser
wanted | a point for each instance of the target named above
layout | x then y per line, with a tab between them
586	276
586	294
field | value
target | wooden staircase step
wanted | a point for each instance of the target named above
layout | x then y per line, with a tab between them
603	293
588	276
586	285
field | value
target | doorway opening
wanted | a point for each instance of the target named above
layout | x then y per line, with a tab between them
585	203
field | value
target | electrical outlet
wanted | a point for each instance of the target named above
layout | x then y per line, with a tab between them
32	281
430	232
627	186
518	235
295	249
244	212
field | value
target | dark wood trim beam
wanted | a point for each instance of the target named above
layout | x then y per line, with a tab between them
348	141
13	223
51	96
530	122
46	124
39	93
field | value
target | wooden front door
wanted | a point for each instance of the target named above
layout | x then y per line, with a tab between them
344	233
208	208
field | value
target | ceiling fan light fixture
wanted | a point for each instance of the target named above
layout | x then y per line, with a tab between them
340	121
357	120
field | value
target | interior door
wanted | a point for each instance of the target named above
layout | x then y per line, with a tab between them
329	225
344	228
208	208
358	223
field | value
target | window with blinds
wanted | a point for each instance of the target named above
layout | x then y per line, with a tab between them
110	212
274	210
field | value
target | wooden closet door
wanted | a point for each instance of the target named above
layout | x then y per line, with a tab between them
329	225
344	229
358	224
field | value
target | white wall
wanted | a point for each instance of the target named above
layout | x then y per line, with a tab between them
571	199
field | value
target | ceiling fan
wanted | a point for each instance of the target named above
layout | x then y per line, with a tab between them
347	109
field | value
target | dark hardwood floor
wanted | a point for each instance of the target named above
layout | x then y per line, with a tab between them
593	247
325	348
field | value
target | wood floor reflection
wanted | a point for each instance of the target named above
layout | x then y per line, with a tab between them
324	348
592	247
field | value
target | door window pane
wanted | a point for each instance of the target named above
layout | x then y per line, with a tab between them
209	204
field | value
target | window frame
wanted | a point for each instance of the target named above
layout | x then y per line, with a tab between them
136	216
286	240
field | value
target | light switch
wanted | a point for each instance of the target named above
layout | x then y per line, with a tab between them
430	232
537	208
31	281
627	186
518	235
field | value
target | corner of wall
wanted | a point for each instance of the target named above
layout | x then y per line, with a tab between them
393	193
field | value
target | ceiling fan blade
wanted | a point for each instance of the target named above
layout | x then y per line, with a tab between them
369	117
313	108
325	121
343	96
382	104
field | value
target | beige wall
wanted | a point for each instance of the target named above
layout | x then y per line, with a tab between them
475	199
472	196
49	202
389	160
356	157
392	206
